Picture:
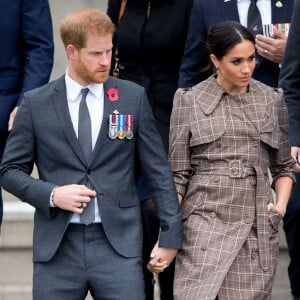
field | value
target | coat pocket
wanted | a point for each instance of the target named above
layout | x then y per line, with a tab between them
129	201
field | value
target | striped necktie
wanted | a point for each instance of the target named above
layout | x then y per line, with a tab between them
254	23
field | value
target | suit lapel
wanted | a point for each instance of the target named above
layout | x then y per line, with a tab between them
62	111
280	14
109	107
229	10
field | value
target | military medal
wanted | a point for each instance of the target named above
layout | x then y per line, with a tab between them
121	126
128	128
113	126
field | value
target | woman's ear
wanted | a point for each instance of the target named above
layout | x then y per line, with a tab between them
214	60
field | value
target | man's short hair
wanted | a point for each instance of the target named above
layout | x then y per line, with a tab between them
75	27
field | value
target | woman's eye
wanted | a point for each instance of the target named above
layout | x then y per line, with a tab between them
236	61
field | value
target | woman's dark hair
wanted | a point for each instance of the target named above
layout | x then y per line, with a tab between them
224	36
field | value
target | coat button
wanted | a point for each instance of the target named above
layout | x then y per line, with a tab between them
253	181
203	248
248	220
216	179
253	254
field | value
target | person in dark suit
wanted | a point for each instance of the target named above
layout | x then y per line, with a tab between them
290	82
150	38
26	56
82	131
206	13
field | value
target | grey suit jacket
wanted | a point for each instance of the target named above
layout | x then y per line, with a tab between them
43	135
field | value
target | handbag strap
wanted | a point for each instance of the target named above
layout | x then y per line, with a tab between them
122	10
116	54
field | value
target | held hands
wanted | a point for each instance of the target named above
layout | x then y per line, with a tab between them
295	152
160	259
271	48
73	197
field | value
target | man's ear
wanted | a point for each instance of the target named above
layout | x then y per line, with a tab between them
71	52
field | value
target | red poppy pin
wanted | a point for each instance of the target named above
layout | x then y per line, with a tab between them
113	94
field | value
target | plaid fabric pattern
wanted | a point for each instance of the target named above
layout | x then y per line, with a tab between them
221	148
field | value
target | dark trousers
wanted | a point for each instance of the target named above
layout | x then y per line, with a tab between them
151	230
291	226
3	138
85	261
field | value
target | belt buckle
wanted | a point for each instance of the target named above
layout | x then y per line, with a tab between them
235	168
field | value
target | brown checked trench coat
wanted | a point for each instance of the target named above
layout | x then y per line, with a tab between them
221	148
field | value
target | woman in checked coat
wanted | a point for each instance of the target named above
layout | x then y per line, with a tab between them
226	133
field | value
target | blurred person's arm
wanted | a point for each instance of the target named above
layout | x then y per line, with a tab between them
290	77
38	47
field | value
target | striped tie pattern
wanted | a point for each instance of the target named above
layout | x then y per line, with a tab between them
254	23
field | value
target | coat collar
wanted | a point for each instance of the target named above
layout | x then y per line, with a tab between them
209	93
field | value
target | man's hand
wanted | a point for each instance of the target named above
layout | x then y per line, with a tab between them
12	118
271	48
160	258
295	152
73	197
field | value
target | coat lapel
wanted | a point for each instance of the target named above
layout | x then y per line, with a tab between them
109	107
62	111
229	9
208	95
281	11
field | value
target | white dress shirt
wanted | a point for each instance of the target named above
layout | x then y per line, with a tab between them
95	103
264	7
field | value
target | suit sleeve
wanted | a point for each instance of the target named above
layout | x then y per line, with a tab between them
158	177
18	161
38	44
290	76
194	58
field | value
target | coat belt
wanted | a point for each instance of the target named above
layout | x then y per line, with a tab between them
235	169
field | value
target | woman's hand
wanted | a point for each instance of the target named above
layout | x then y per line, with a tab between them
278	208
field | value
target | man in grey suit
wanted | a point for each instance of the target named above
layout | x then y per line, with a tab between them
82	131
